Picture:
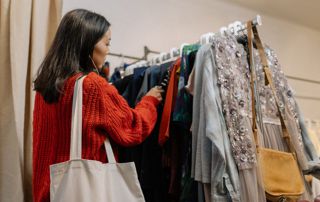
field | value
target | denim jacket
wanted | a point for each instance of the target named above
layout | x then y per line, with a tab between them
212	161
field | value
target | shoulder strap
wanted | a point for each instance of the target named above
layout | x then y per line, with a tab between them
76	125
269	80
76	121
252	79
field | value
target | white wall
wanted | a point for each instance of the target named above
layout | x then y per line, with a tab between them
164	24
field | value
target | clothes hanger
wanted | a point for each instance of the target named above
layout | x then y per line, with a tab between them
171	55
164	57
206	38
130	69
237	27
231	28
211	40
152	61
161	57
148	63
174	52
210	37
223	31
181	48
203	39
167	57
142	63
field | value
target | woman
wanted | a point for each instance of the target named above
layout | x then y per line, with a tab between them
80	47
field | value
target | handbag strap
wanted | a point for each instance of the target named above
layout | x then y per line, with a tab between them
268	79
76	125
252	79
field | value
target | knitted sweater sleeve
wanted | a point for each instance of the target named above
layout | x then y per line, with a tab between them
124	125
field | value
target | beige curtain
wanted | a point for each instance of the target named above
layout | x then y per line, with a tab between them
27	28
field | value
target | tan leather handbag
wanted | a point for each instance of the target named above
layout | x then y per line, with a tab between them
281	175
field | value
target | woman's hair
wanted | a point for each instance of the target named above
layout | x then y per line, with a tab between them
77	34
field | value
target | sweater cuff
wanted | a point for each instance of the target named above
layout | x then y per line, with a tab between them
151	99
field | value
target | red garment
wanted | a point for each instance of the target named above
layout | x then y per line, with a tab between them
105	112
171	95
106	71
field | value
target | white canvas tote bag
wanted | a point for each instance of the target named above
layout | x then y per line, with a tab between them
82	180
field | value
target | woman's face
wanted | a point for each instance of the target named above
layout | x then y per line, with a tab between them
101	49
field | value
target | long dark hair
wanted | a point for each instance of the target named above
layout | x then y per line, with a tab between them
77	34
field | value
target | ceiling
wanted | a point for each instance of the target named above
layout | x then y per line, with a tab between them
304	12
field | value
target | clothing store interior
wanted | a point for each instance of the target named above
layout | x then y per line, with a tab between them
238	119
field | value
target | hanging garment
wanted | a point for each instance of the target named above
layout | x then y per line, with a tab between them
151	77
315	184
310	147
315	140
181	121
280	170
234	84
133	88
105	71
212	161
169	104
311	152
270	125
183	106
287	101
190	85
87	180
147	156
289	112
122	84
189	187
115	76
175	138
175	135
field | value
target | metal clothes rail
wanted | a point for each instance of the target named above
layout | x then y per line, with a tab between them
147	51
205	38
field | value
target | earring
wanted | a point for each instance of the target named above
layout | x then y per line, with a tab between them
94	64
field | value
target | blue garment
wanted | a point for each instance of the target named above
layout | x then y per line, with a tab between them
133	88
122	84
151	79
115	76
154	180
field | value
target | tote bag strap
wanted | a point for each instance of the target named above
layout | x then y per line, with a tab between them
76	125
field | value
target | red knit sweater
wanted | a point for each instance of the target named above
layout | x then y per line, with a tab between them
105	113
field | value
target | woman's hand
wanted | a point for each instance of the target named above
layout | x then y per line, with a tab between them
156	92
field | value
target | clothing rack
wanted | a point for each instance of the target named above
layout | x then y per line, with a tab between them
307	97
303	79
124	56
146	49
307	81
235	28
312	122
